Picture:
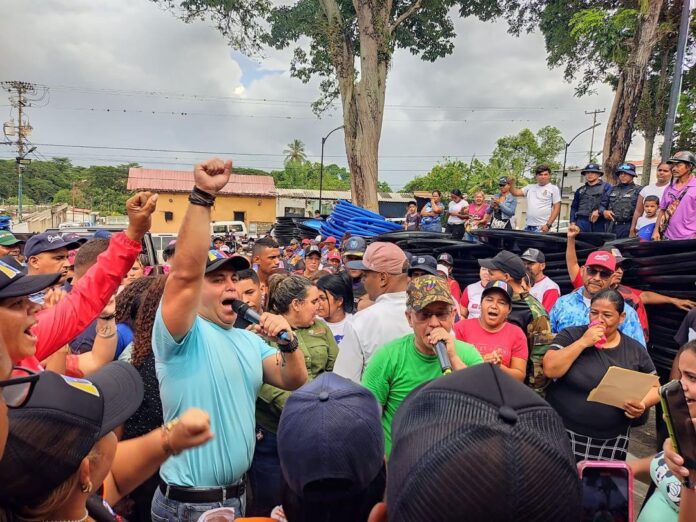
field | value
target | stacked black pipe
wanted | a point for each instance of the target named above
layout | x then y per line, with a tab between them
666	267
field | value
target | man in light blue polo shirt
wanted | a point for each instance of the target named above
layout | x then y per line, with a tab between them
203	361
574	309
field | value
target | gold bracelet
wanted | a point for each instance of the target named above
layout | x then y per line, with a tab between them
166	430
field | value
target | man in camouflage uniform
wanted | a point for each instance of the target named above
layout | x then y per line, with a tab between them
527	313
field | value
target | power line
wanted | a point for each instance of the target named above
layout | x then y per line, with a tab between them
236	99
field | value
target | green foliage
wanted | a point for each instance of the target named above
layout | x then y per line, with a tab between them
25	200
295	152
57	181
685	128
513	155
517	155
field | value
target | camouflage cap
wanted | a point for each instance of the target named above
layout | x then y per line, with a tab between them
427	289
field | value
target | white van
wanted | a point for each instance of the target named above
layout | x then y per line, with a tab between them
221	228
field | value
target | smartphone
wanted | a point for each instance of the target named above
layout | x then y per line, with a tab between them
680	426
607	490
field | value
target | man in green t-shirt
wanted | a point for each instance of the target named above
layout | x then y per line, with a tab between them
400	366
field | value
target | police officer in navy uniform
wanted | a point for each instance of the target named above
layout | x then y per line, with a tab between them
584	211
619	205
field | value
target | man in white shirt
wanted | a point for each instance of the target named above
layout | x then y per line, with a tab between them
545	289
457	214
543	201
384	268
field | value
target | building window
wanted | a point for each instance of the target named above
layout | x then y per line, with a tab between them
238	216
168	216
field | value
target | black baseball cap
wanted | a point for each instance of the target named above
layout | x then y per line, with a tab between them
425	263
533	255
456	192
447	259
503	181
355	246
313	249
500	287
15	283
330	429
47	242
507	262
217	260
479	431
60	424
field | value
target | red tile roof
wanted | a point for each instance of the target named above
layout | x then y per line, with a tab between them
158	180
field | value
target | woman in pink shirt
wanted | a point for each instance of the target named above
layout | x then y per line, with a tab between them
477	215
498	341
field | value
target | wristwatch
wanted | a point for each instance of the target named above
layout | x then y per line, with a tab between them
289	347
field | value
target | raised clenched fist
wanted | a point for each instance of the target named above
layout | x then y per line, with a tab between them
212	175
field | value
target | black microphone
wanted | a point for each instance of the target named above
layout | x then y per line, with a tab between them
249	314
441	351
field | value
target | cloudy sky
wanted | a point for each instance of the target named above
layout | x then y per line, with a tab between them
128	75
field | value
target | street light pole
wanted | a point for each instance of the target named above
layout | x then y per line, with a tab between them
321	166
563	173
676	81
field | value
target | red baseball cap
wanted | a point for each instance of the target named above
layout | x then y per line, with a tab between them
330	239
334	254
306	241
602	258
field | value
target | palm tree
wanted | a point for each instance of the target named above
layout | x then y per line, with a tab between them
295	152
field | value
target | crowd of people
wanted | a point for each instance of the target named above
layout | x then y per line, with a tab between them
626	209
330	378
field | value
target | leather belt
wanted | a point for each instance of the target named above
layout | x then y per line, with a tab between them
201	495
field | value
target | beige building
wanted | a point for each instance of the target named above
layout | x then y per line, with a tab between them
251	199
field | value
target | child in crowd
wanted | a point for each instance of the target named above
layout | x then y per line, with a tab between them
650	206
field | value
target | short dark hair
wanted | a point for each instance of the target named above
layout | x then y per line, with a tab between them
436	192
339	285
249	273
412	203
651	199
88	253
542	168
263	243
611	295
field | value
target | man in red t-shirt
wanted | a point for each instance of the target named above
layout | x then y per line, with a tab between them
545	289
448	261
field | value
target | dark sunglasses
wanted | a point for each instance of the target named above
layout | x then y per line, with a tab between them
603	274
17	391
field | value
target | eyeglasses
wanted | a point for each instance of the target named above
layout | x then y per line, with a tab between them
17	391
425	315
603	274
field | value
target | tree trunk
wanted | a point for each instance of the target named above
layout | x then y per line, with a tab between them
628	92
647	156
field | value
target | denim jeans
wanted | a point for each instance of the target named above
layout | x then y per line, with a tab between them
167	510
529	228
265	476
432	227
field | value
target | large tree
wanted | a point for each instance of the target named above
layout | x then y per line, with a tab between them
295	152
612	41
349	45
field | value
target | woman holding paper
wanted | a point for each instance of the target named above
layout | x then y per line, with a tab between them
578	360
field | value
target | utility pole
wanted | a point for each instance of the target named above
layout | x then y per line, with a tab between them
594	114
21	96
676	80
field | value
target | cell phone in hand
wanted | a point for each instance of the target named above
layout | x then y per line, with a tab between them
607	490
680	426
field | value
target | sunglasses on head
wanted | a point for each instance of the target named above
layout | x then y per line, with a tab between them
603	274
17	390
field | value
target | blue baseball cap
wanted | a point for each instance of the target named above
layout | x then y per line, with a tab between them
627	168
592	167
47	242
330	428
